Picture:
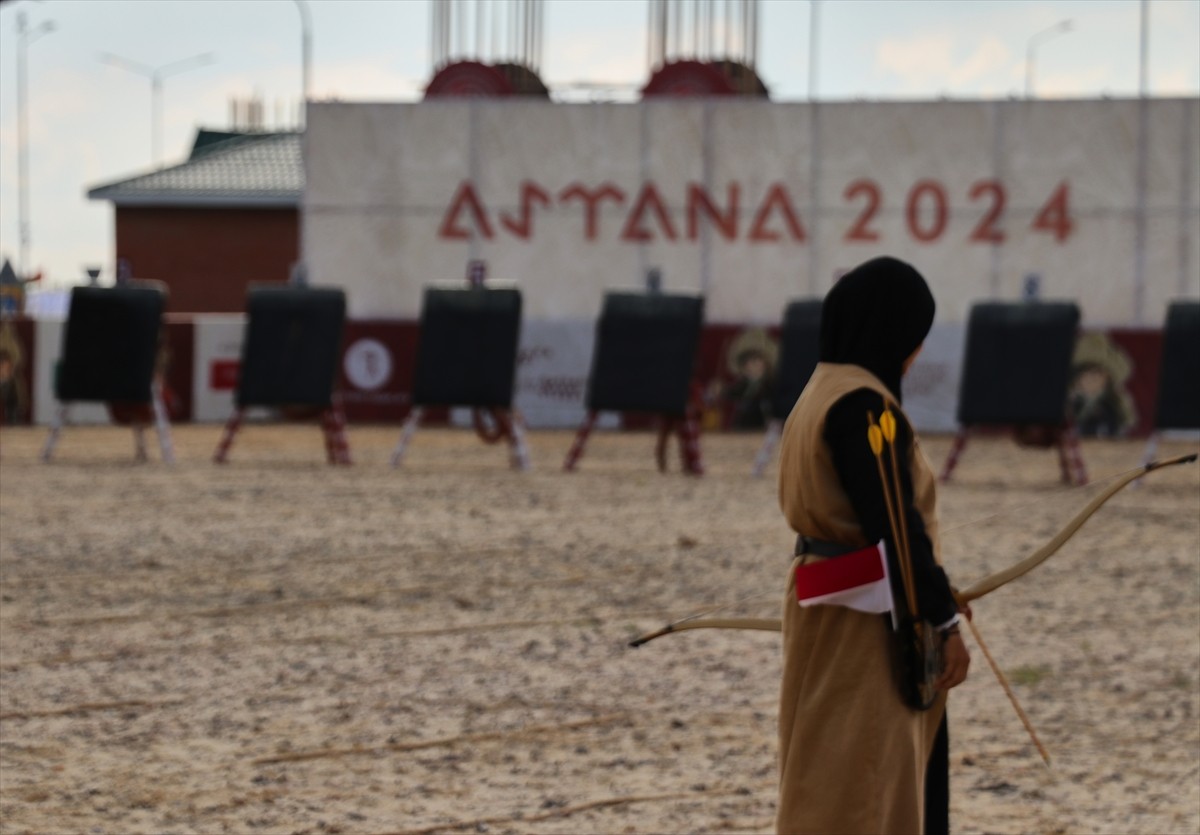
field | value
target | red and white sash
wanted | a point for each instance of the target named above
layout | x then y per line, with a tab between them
857	580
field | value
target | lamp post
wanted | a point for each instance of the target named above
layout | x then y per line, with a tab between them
1062	27
156	76
814	15
305	56
1143	162
25	37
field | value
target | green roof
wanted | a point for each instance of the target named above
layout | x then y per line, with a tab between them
253	169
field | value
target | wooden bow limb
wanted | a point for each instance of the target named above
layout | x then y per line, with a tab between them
991	583
761	624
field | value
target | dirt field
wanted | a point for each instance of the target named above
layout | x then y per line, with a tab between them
279	646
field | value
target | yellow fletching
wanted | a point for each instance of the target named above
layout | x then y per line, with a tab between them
875	437
887	422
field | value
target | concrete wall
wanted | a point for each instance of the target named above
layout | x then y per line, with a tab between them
755	203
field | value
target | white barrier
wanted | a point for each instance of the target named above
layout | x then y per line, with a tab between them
216	356
48	344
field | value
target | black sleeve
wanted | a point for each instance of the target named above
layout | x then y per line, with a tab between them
846	434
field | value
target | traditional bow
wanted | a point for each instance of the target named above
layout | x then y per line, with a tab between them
972	592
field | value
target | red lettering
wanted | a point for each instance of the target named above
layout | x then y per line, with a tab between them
777	198
697	199
987	231
931	232
591	200
648	198
1055	216
530	193
775	218
861	230
465	197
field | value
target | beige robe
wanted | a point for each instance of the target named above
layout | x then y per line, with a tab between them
852	756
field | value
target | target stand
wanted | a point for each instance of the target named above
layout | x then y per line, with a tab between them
1016	371
289	361
799	353
110	355
467	356
1178	402
643	362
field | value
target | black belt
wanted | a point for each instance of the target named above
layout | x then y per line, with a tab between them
821	548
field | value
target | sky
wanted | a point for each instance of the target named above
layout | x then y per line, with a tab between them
90	122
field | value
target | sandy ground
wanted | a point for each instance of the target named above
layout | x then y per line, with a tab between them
280	646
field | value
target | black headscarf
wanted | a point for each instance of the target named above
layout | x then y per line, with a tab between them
875	316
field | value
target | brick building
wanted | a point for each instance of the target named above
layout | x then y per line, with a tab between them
227	216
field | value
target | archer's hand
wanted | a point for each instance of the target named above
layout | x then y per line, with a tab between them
955	661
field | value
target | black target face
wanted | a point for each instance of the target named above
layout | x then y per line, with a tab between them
645	353
799	352
291	348
467	353
111	343
1178	390
1018	363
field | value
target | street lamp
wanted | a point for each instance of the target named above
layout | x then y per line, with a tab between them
813	20
156	76
24	38
305	55
1062	27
